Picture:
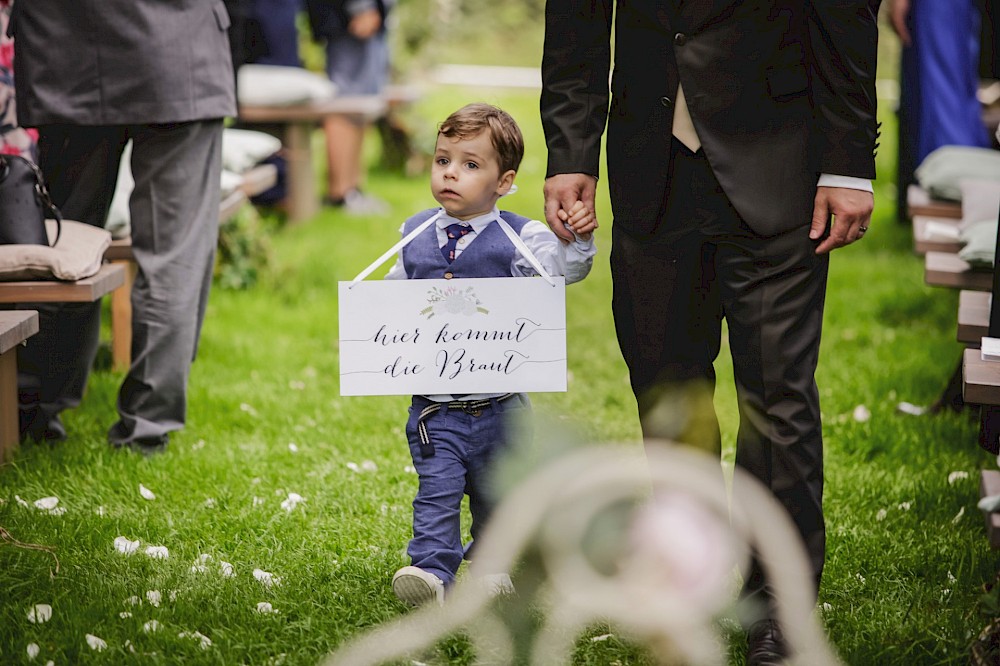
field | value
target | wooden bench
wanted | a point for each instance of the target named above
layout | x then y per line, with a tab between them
973	316
919	202
935	234
119	253
989	486
16	326
294	125
946	269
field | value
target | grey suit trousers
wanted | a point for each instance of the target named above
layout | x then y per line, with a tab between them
174	211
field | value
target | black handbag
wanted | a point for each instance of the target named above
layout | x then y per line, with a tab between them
24	204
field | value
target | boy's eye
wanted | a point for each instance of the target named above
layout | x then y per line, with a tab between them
471	165
443	161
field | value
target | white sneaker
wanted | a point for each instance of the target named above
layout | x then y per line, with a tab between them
417	587
497	585
357	202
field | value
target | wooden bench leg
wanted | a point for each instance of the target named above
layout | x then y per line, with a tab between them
121	320
301	201
8	404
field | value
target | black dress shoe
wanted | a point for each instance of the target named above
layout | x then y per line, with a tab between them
147	446
765	644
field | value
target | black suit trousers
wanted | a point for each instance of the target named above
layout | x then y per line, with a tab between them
672	290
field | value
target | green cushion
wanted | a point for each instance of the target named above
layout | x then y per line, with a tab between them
980	240
942	171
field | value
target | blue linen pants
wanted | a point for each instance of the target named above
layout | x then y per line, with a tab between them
466	443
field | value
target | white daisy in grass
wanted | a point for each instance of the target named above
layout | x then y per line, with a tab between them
957	476
827	607
369	466
264	607
861	579
100	511
257	501
904	506
157	552
353	466
226	569
50	505
125	615
200	444
293	447
95	643
128	646
133	601
151	626
410	469
204	640
39	613
266	578
126	546
861	414
292	501
33	651
200	564
880	516
601	638
172	595
146	493
244	407
22	502
154	597
209	502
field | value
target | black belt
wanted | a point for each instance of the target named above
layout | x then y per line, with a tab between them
473	407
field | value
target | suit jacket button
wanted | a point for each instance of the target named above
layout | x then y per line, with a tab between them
666	101
680	39
449	275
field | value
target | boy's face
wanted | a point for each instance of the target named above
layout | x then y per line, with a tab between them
465	176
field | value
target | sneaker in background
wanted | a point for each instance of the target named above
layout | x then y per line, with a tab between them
416	587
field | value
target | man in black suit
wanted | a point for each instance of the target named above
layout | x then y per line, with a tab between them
740	149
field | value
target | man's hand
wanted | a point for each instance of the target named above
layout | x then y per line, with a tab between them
563	193
850	211
365	24
899	12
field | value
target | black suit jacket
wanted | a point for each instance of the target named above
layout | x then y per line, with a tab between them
779	91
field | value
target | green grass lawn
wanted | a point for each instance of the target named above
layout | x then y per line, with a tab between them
906	567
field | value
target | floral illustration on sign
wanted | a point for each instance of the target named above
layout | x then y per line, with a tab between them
452	301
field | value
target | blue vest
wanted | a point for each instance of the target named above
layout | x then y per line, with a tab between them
490	253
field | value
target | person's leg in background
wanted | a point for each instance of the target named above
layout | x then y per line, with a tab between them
80	165
356	67
175	210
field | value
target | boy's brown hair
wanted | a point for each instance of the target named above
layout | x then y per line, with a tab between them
505	135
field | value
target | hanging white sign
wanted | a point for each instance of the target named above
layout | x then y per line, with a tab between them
459	336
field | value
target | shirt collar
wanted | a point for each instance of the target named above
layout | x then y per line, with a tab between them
477	223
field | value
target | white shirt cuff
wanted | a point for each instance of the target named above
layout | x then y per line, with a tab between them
849	182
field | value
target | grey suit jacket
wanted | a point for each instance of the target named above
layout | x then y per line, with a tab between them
119	62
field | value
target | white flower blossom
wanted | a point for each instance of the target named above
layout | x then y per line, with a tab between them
257	501
861	579
154	597
133	601
33	651
157	552
146	493
369	466
293	447
951	578
125	615
861	414
202	638
267	579
827	607
601	638
151	626
248	409
46	503
96	643
22	502
226	569
410	469
39	613
292	501
353	466
100	511
904	506
956	476
880	516
126	546
264	607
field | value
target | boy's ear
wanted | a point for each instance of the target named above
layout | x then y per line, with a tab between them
506	181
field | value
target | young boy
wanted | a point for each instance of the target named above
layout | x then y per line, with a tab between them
454	439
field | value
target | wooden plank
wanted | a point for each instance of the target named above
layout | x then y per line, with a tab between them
989	486
121	319
351	105
935	234
119	250
231	204
980	379
16	326
945	269
919	202
259	179
973	315
109	278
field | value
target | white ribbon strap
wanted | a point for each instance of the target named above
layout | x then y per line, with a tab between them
523	249
396	248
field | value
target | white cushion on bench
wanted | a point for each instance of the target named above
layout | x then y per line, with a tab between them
77	255
274	85
244	149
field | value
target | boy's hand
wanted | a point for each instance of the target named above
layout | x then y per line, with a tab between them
562	193
580	219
